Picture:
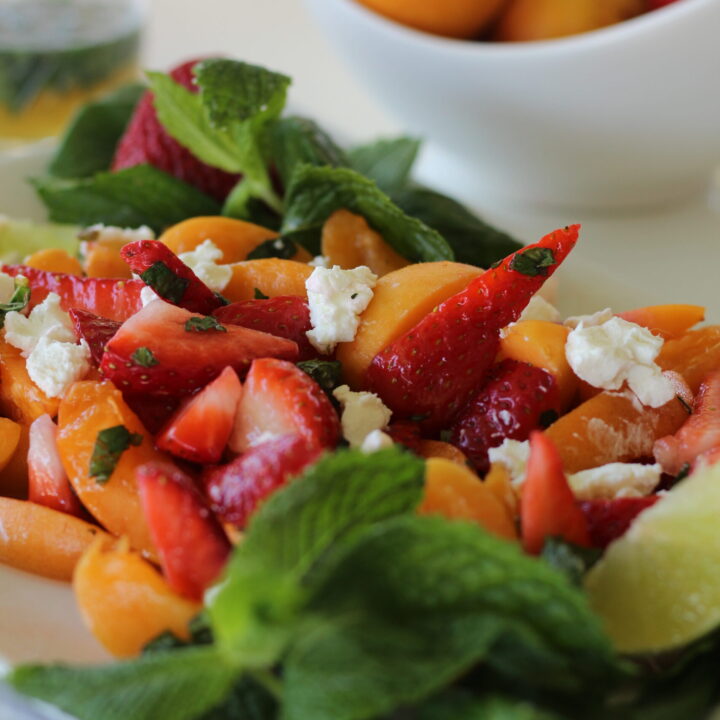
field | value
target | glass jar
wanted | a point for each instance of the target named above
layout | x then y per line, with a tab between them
56	55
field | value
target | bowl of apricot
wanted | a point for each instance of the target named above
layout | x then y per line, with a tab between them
604	104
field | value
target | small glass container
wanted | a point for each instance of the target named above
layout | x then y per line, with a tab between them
56	55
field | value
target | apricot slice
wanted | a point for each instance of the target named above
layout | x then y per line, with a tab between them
348	241
438	449
14	476
667	321
9	440
20	398
125	601
43	541
271	276
499	483
54	260
103	259
401	299
542	344
87	408
236	238
693	355
455	492
612	427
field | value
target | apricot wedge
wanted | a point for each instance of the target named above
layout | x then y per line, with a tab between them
439	449
103	259
9	440
43	541
348	241
401	299
693	355
14	476
667	321
271	276
86	409
612	427
54	260
455	492
542	344
125	601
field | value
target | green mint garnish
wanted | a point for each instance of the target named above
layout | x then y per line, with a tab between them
684	472
685	404
144	356
533	261
204	324
326	373
258	294
110	444
19	300
571	560
282	248
165	282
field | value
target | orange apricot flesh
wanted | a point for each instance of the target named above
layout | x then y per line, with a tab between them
693	355
54	260
10	432
271	276
667	321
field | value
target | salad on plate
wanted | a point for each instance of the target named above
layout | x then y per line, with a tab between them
312	442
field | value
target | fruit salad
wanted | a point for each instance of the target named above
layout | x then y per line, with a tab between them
313	442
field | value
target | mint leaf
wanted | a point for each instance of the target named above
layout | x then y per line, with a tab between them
283	248
110	444
256	607
473	241
248	700
533	261
571	560
258	294
88	145
176	685
165	282
204	324
144	357
326	373
388	162
19	300
457	705
292	141
315	193
140	195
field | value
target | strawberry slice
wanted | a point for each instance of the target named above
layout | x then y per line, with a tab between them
165	350
280	399
406	433
237	489
432	369
96	331
48	483
146	141
610	519
286	316
191	543
699	433
107	297
547	504
201	428
516	399
154	411
162	270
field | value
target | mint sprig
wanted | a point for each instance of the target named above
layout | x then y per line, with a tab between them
388	161
110	444
19	300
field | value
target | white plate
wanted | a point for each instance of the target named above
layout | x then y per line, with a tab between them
626	260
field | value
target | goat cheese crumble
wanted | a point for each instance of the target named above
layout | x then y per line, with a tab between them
203	261
363	413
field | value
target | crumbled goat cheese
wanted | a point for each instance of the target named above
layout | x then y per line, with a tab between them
109	233
203	261
376	440
615	480
47	319
514	455
362	413
336	297
322	261
616	351
598	318
537	309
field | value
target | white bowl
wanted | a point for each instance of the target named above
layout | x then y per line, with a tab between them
628	115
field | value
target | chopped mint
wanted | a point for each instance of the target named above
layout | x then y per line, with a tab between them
282	248
166	283
144	357
110	444
326	373
204	324
19	300
258	294
533	261
571	560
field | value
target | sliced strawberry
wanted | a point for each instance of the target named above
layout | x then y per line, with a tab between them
286	316
48	483
201	428
547	504
280	399
95	331
516	399
154	411
407	433
107	297
191	543
610	519
157	352
146	141
699	433
236	489
433	368
161	269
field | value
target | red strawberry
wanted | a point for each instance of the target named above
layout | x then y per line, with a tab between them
407	433
154	411
516	399
435	366
547	504
280	399
107	297
146	141
96	331
200	429
286	316
191	543
236	489
699	433
655	4
157	351
48	483
609	519
169	276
